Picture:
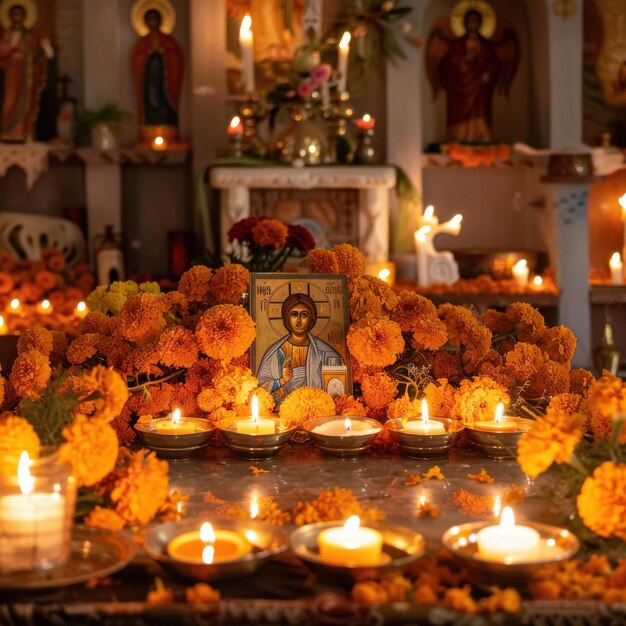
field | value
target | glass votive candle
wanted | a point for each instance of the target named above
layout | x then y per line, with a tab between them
36	513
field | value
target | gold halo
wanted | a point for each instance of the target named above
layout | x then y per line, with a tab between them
457	16
167	11
30	7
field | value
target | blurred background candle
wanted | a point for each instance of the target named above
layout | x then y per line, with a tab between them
4	329
15	306
424	426
350	544
81	310
235	127
537	283
367	122
44	307
247	57
256	425
622	203
617	268
342	62
158	143
507	542
520	273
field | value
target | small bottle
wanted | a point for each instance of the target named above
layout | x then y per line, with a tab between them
66	113
109	258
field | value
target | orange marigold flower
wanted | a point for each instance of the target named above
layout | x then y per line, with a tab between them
54	259
551	379
441	398
410	308
528	322
497	322
566	403
202	373
305	403
16	435
606	399
46	280
141	318
107	519
349	260
602	500
177	347
141	488
91	448
220	414
234	384
95	322
321	261
228	284
580	381
524	361
499	373
6	283
477	399
404	407
559	343
371	296
551	439
376	342
464	331
270	233
225	332
378	390
59	346
348	405
209	400
35	338
447	365
194	283
83	348
267	404
429	333
110	389
30	374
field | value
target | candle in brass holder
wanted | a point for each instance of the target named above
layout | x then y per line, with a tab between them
338	112
349	553
176	437
424	438
217	548
235	136
364	152
251	111
343	437
497	438
508	553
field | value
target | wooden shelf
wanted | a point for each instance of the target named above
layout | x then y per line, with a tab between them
121	156
607	294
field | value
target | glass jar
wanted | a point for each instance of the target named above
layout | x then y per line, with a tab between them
303	140
36	514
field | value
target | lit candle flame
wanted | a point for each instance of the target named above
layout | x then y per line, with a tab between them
384	274
45	304
15	303
520	266
246	26
537	281
622	203
312	148
616	261
507	519
345	40
254	508
422	501
81	307
499	412
348	424
424	411
254	408
176	417
1	320
24	479
366	117
235	121
429	211
352	524
158	141
207	534
208	553
497	505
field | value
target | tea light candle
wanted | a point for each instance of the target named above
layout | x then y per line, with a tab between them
342	62
520	273
174	426
350	544
4	329
255	425
235	127
424	426
208	545
15	306
81	309
44	307
159	143
617	268
507	542
345	428
367	122
31	524
499	423
247	57
537	283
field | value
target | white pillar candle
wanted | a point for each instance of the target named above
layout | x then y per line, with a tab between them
422	255
520	273
247	53
617	268
342	62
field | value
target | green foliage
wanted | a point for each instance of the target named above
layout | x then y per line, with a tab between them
108	114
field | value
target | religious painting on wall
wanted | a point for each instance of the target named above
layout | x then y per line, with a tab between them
604	72
301	325
471	55
278	32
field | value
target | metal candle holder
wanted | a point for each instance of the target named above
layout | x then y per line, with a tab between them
176	447
558	544
425	446
401	548
267	540
254	447
251	111
338	446
498	444
339	112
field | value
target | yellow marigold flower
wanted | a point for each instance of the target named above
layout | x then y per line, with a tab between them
30	374
602	500
371	296
559	343
376	342
83	348
36	338
524	360
225	332
141	488
405	408
580	381
321	261
228	284
270	233
551	379
107	519
441	398
112	392
348	405
91	448
234	384
566	403
305	403
528	321
378	390
478	398
177	347
551	439
141	318
16	435
349	260
194	283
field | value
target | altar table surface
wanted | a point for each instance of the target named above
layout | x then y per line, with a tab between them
285	591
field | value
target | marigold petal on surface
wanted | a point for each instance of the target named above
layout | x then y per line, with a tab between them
225	332
107	519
